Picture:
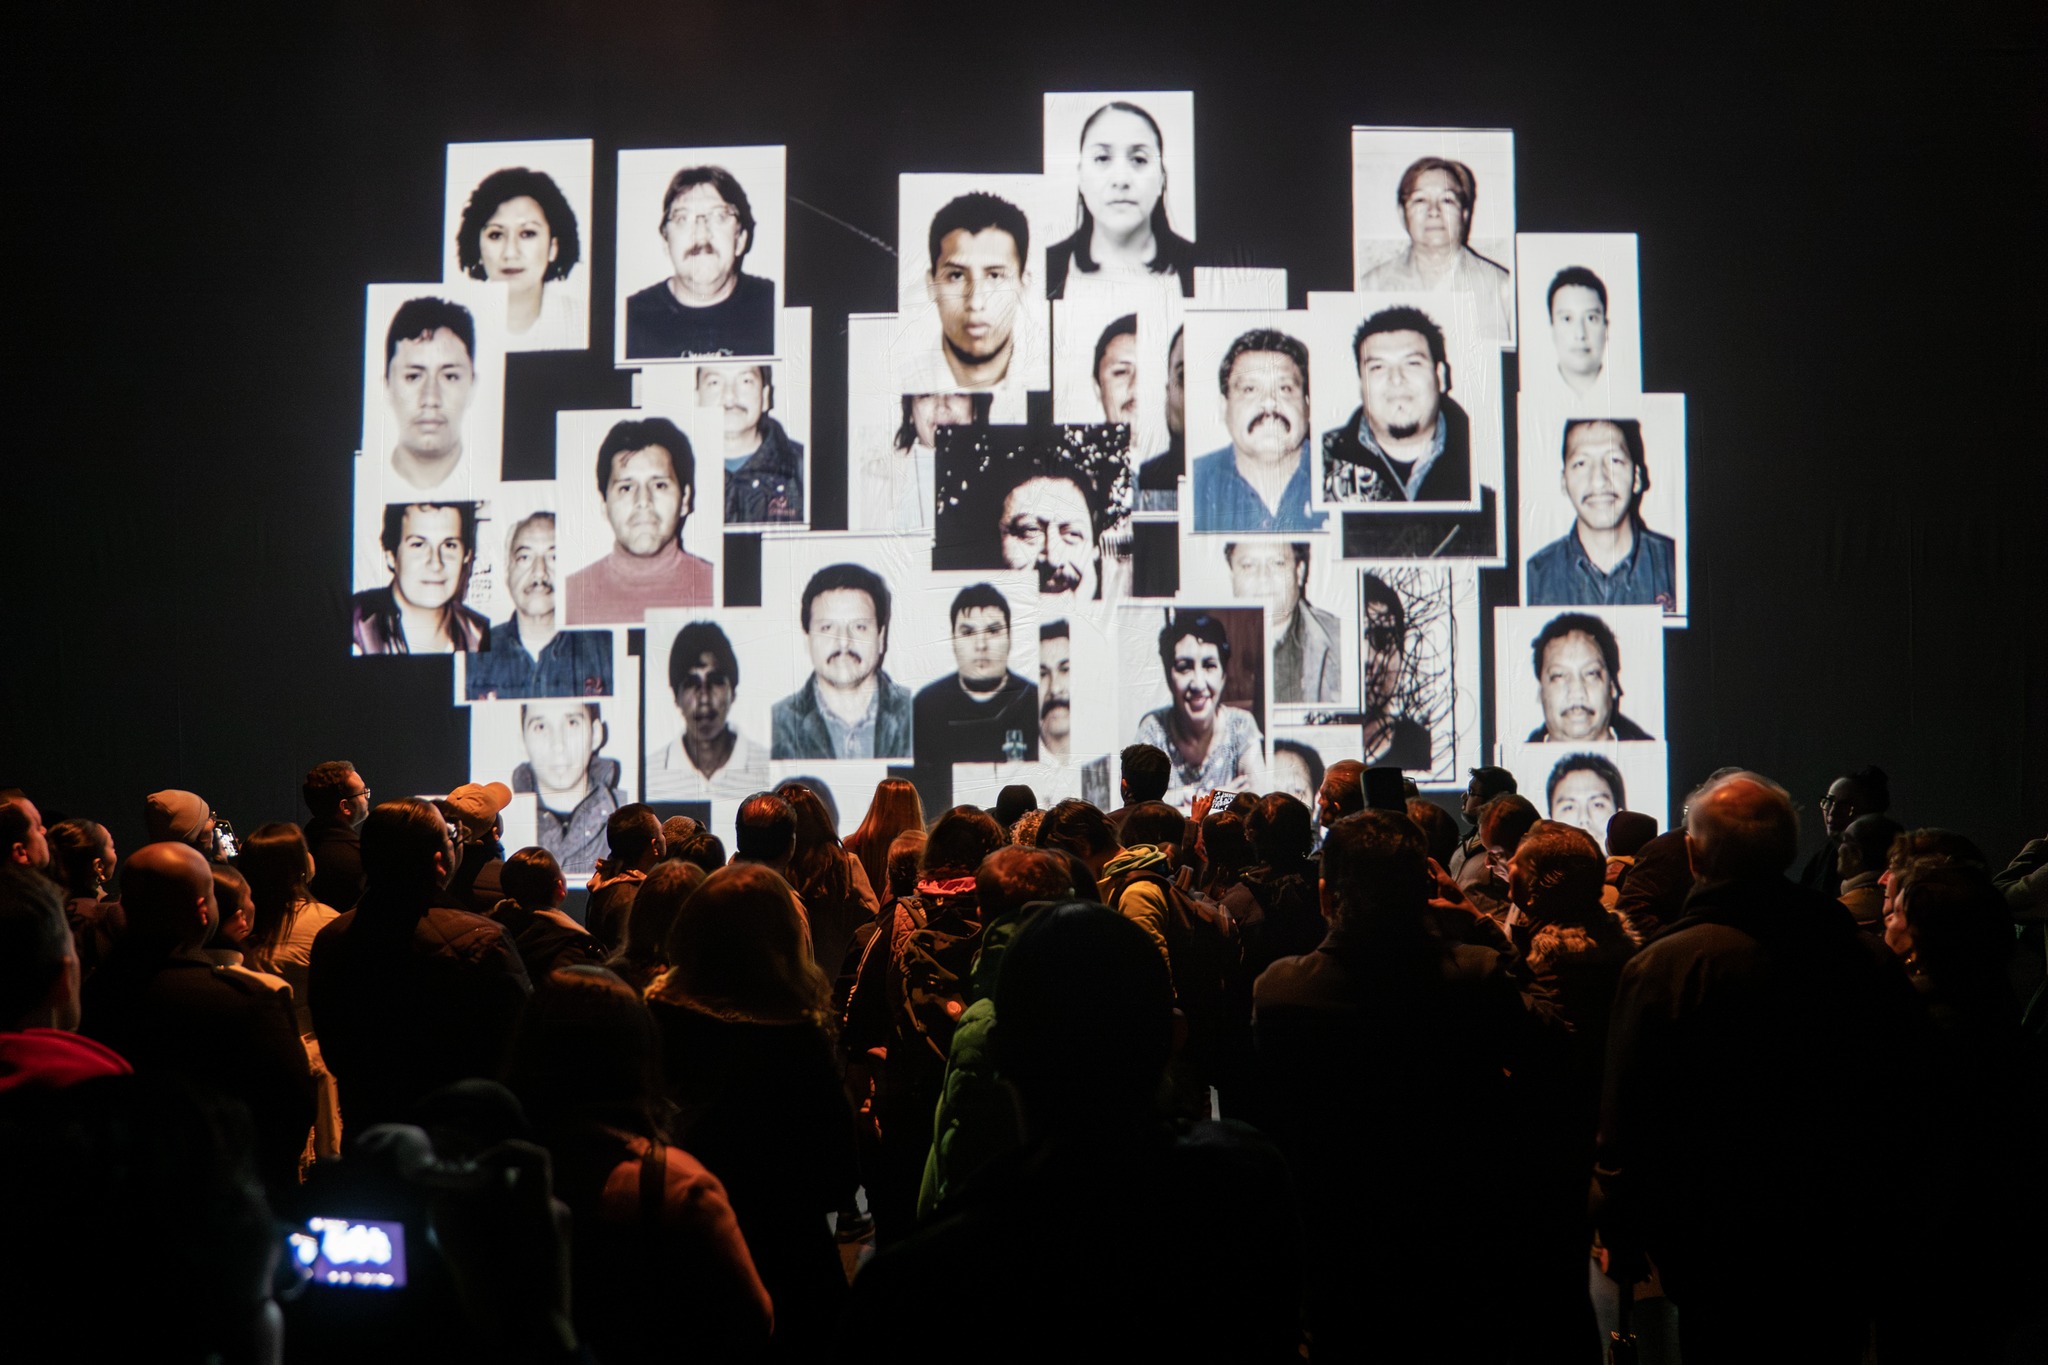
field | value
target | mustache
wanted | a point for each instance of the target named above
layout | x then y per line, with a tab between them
852	654
1266	417
1051	705
1058	577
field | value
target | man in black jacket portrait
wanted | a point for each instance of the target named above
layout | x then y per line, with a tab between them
1408	440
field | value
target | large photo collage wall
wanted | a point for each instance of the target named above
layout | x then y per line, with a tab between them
1098	492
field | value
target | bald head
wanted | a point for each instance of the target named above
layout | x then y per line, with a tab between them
167	892
1343	792
1740	825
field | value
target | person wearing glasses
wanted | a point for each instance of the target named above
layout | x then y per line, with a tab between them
710	305
709	760
983	712
1391	741
849	707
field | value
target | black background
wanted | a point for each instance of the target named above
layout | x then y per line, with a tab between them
1841	247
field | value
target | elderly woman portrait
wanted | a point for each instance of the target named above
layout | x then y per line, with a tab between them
518	229
1123	232
1436	196
1211	746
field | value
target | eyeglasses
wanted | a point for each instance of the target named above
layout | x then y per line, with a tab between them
724	216
1830	802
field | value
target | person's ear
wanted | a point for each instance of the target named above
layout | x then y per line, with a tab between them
561	888
687	502
554	249
391	564
742	244
1443	376
1326	900
598	735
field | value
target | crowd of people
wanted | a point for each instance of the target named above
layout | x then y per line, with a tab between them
1260	1083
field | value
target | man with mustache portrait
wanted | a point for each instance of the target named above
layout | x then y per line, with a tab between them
1408	440
647	475
528	655
1047	522
1609	558
710	305
849	707
1055	689
764	467
1578	667
1260	481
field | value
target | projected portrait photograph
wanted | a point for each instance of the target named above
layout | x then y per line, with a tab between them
1045	500
971	273
700	252
429	548
1076	714
577	757
766	465
1193	684
1418	653
1311	661
433	390
1585	784
1405	435
828	642
981	705
1126	162
1255	477
1301	754
1100	372
517	214
1603	508
640	512
696	748
528	653
1433	211
1159	475
1559	679
1583	350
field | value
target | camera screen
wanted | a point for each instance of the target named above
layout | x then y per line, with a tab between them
361	1252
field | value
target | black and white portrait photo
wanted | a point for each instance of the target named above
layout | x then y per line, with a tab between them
971	281
1126	163
433	390
1419	683
518	214
1603	508
641	511
1433	211
977	640
700	252
1559	675
1582	350
697	750
1193	684
1046	500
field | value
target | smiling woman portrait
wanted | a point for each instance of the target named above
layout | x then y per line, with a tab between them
1211	746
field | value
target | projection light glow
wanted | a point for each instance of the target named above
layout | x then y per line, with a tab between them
1099	490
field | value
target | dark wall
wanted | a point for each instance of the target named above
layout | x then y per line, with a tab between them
1841	266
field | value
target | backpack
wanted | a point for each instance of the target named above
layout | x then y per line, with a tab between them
932	962
1207	959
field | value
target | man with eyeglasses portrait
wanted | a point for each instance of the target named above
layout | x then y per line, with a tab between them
849	707
710	305
1391	741
984	712
709	759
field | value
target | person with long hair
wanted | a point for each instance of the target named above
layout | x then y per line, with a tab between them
82	861
751	1065
894	809
643	955
661	1271
828	878
1121	204
285	919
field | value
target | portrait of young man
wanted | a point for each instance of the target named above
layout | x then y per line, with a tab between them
709	759
1408	440
528	655
709	305
647	476
982	712
428	550
429	380
575	785
849	707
